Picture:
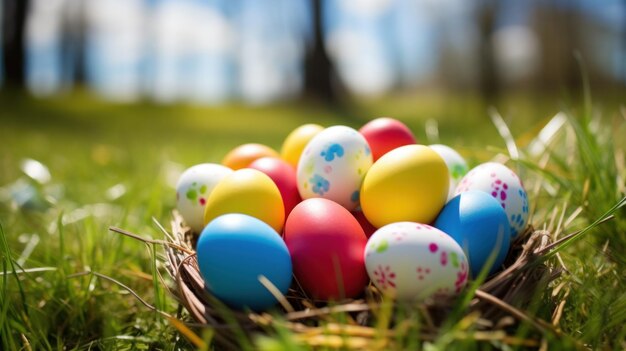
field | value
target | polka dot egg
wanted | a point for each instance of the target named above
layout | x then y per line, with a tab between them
333	165
412	261
505	186
193	189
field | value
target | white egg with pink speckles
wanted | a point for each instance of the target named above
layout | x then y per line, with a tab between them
505	186
193	189
412	262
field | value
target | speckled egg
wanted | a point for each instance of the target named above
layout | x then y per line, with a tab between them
333	165
412	261
193	189
505	186
457	167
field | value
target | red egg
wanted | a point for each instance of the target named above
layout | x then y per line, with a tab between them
385	134
368	228
326	244
284	175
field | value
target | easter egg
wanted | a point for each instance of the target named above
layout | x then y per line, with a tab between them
333	165
243	155
296	141
385	134
192	190
505	186
234	250
368	228
477	222
457	167
326	245
409	184
250	192
413	261
284	176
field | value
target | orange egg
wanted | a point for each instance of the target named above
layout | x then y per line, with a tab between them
243	155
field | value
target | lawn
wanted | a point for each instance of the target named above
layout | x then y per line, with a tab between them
116	164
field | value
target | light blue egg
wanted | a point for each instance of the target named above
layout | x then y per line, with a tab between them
233	251
477	222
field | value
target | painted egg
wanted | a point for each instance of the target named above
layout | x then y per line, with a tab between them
457	167
505	186
284	176
385	134
478	224
333	165
234	250
326	244
243	155
409	183
296	141
192	190
368	228
250	192
413	261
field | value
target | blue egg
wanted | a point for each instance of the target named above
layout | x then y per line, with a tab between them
477	222
233	251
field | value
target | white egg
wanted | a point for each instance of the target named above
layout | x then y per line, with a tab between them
333	165
412	261
505	186
457	167
193	189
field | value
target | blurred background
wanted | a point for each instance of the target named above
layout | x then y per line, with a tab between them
211	52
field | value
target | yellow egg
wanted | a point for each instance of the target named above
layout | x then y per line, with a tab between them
243	155
409	183
296	141
250	192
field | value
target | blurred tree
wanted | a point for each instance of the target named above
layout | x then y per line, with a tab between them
489	84
73	41
320	80
14	14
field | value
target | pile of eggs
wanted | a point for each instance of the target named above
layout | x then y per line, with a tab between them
338	208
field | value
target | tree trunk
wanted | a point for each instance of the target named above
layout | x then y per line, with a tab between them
14	14
489	84
318	68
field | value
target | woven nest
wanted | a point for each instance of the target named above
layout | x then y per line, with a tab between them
312	322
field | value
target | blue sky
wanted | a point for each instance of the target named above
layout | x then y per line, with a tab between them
209	51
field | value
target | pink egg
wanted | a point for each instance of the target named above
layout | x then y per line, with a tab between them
284	175
326	244
385	134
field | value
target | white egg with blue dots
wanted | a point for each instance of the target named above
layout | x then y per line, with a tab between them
333	165
505	186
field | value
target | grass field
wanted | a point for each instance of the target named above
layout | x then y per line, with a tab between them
115	164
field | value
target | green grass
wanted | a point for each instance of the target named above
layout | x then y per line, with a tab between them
114	164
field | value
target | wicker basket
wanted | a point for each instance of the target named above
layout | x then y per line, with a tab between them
523	275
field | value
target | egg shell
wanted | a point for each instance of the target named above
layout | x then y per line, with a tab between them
250	192
233	251
296	141
478	224
457	167
368	228
326	244
333	165
505	186
243	155
284	176
413	261
385	134
409	183
193	189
